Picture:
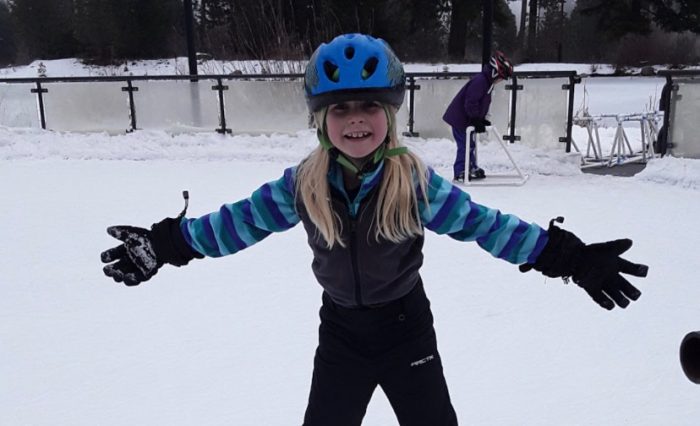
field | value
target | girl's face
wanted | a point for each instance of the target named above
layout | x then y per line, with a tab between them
356	128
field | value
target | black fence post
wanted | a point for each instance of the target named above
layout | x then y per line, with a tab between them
412	86
222	110
571	87
513	87
132	107
668	136
40	97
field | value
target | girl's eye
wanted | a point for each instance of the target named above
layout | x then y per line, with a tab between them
371	105
340	107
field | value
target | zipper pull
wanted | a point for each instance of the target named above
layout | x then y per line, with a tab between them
186	196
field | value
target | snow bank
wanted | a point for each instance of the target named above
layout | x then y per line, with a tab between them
680	172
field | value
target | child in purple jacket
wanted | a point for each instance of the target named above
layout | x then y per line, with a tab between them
469	108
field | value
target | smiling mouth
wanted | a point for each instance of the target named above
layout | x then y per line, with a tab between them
357	135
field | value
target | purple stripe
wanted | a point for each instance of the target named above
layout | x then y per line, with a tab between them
474	212
186	232
227	219
496	224
209	233
289	180
514	240
273	209
446	208
247	212
539	246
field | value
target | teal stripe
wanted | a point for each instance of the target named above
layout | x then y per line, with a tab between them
485	221
439	192
469	221
247	232
240	225
456	217
284	201
225	244
498	239
261	215
200	240
521	251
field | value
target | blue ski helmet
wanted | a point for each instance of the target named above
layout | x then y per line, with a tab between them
354	67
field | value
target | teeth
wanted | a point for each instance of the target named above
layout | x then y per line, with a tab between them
357	134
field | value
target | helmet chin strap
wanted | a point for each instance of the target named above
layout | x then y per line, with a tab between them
376	156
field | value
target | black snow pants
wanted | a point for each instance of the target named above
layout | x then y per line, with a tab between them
392	346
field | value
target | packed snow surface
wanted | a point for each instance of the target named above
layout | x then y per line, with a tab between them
231	341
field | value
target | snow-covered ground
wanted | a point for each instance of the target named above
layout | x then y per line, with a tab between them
231	340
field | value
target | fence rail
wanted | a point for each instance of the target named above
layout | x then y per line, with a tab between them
239	103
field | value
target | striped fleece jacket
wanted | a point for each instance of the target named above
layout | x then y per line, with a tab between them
363	273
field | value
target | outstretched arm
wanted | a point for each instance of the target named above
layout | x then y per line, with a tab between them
239	225
596	268
176	241
451	211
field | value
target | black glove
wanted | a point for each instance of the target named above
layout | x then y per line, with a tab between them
144	251
594	267
480	125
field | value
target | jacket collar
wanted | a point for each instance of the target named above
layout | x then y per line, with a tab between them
368	182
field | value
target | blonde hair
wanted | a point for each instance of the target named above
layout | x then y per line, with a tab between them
397	215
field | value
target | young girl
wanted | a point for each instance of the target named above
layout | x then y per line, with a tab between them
469	108
364	201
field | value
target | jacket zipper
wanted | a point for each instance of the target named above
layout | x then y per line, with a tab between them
353	249
353	257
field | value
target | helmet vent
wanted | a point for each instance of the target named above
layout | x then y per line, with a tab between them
349	52
369	68
331	71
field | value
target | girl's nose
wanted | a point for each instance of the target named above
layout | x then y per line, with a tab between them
356	115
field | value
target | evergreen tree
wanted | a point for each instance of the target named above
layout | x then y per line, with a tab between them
96	29
146	27
466	29
112	30
552	28
461	12
505	30
8	49
617	18
677	15
44	28
422	20
585	42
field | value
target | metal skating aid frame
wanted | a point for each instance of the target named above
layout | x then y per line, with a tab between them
517	179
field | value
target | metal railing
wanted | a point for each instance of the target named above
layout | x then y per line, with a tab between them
421	115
